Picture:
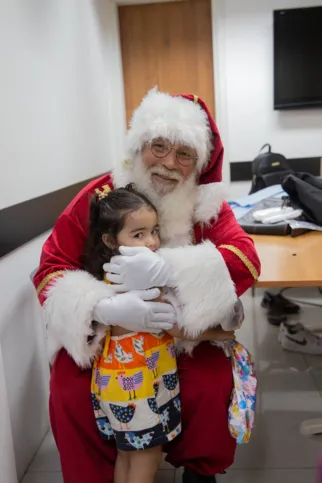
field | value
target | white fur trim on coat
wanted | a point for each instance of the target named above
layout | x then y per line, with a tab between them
205	291
175	118
210	198
68	308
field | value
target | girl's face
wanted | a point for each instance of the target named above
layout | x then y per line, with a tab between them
140	229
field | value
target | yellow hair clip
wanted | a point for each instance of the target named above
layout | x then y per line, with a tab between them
103	194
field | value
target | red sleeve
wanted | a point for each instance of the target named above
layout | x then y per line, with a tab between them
62	251
64	248
235	246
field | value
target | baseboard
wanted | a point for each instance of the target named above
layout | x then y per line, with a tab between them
22	222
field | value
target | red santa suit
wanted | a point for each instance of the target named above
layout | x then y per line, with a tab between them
212	262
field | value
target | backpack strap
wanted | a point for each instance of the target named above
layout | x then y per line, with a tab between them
268	146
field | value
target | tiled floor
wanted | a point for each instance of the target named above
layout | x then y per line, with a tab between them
290	391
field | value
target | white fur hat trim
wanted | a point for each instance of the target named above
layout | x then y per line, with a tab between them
175	118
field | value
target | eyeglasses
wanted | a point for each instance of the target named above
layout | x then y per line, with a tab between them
160	148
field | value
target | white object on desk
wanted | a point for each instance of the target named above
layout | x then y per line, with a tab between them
283	216
241	206
275	215
261	215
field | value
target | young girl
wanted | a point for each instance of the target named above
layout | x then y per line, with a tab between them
135	386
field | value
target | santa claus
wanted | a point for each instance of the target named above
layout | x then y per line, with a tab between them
174	156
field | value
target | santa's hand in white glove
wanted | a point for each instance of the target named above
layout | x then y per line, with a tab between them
137	268
135	311
236	319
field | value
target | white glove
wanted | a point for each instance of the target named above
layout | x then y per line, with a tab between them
137	268
134	311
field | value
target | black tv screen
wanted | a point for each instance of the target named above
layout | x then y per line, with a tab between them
298	58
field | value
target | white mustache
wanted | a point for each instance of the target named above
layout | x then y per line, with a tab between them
163	171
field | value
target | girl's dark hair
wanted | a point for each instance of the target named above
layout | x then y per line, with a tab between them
107	216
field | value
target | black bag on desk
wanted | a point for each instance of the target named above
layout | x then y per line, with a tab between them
268	169
253	227
305	192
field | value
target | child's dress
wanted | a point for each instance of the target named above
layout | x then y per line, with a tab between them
135	391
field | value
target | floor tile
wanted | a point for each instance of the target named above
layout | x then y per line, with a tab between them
165	476
285	399
165	466
286	390
316	374
261	339
47	458
277	443
262	476
43	477
269	476
289	385
287	395
314	363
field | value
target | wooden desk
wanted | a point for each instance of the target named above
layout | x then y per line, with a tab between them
290	262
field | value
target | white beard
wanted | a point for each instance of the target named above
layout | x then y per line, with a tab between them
175	209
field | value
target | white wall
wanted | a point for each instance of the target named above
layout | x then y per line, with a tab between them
24	371
62	120
244	84
55	96
107	16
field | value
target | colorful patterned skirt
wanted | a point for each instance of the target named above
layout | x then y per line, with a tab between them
241	413
135	391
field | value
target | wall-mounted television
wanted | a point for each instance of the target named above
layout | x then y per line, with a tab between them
298	58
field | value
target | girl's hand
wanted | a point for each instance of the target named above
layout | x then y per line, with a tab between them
176	332
161	296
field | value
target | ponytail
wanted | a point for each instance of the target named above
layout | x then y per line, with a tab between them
96	253
94	212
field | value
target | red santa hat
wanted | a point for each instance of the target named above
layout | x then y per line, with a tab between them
181	119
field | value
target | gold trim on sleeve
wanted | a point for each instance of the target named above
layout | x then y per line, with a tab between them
47	279
243	258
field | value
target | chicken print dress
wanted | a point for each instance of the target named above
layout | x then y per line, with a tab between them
135	391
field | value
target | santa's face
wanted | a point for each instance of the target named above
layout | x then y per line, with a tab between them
174	198
166	173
